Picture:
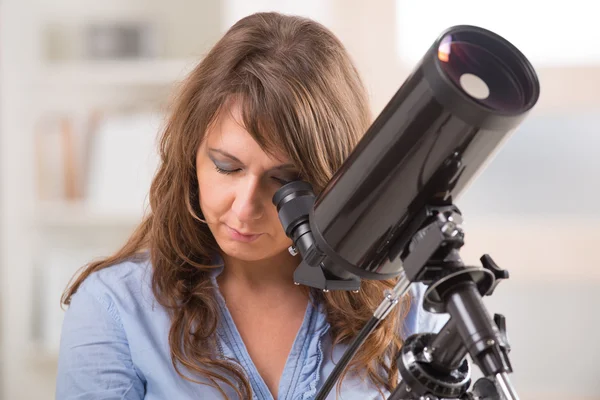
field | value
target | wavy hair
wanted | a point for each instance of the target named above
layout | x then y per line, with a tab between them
302	94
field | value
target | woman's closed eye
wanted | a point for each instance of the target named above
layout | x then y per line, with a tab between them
225	170
280	180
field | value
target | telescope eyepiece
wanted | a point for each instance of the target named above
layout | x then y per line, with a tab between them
290	191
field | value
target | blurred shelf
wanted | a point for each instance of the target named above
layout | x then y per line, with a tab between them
114	73
75	215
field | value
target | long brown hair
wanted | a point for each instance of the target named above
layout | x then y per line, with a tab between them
301	93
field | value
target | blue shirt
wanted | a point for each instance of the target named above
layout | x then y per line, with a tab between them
114	345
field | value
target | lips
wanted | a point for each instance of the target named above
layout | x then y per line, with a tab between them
242	237
244	233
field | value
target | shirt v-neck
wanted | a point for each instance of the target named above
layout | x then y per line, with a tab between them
230	335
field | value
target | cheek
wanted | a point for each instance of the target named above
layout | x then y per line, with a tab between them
213	195
278	231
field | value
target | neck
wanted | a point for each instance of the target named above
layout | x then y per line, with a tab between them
274	273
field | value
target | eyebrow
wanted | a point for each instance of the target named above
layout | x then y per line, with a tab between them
234	158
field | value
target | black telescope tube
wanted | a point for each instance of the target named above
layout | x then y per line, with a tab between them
469	91
476	329
448	348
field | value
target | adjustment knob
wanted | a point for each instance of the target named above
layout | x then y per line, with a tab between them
498	273
500	321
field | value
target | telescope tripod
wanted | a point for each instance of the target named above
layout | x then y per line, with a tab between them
434	366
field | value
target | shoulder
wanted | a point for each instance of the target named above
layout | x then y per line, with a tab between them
124	286
104	331
125	275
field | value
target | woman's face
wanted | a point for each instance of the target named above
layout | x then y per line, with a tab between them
237	181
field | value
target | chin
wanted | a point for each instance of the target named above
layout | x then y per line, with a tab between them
244	253
259	249
255	251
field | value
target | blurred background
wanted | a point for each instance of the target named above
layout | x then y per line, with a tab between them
83	89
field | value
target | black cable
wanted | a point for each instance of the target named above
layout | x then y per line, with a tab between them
346	357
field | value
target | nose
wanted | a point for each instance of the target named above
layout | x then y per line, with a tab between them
248	204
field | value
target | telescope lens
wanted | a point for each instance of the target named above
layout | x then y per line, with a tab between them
490	74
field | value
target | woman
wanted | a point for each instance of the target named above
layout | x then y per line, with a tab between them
200	302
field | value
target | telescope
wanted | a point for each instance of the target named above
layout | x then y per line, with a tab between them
389	212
